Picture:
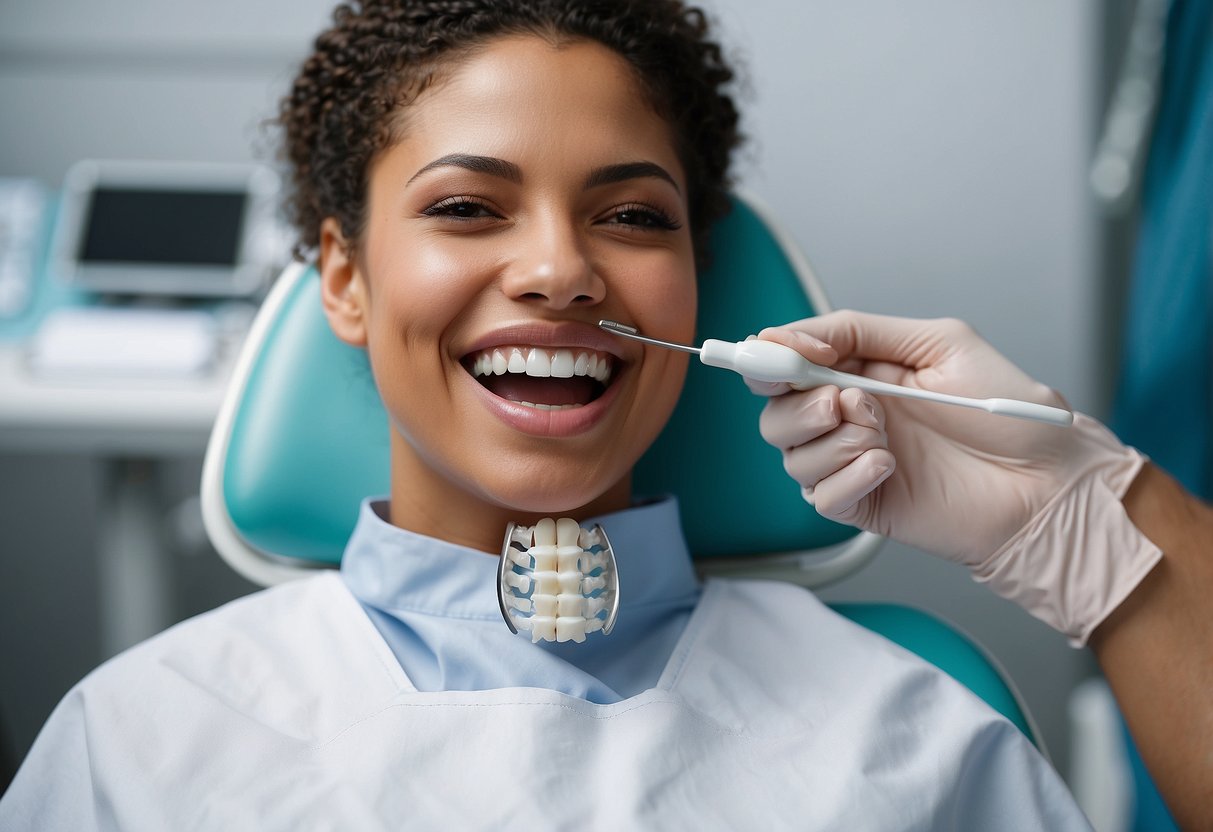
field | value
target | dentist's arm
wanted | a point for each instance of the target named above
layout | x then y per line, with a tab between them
1156	648
1067	522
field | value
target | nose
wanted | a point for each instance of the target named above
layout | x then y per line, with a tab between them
552	268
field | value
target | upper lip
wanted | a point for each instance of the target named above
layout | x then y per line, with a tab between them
568	334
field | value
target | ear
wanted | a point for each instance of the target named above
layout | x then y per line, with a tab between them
342	286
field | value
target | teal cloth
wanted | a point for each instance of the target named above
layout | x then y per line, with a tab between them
1150	814
1164	404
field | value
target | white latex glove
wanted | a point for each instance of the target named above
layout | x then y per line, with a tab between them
1032	509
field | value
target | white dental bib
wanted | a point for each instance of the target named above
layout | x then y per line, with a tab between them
287	710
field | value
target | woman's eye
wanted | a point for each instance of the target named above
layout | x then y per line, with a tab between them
460	209
644	217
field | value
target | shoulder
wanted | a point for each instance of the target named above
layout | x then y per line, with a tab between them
795	613
805	619
265	622
784	633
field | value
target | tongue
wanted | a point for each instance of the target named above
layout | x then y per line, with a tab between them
519	388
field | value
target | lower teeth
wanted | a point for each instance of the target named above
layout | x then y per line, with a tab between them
549	406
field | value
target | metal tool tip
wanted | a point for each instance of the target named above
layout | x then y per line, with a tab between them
615	326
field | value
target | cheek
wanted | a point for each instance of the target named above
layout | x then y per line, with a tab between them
664	302
419	290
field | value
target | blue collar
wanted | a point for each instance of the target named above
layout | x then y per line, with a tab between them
397	570
435	604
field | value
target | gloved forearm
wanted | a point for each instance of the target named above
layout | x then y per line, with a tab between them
1033	510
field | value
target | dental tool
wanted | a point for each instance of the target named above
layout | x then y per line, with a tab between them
557	580
771	362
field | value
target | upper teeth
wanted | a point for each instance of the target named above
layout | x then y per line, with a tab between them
542	363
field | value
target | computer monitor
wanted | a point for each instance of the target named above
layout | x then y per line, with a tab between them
168	228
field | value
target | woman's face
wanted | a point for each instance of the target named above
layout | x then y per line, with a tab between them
534	192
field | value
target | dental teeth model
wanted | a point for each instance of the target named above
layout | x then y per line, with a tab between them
557	580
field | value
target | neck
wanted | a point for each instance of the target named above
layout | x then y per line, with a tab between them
427	502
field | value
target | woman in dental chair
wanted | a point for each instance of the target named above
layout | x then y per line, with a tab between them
481	183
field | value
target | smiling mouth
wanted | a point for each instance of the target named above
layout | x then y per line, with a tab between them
544	378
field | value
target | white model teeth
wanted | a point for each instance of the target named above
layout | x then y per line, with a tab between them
556	588
543	363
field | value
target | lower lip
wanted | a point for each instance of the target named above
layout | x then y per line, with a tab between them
549	423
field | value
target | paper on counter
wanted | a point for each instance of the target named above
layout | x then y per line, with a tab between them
105	341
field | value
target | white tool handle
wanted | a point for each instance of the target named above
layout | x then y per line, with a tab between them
772	362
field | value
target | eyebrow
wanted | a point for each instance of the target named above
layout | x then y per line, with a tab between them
629	170
476	164
493	166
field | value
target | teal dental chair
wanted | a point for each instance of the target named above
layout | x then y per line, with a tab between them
302	438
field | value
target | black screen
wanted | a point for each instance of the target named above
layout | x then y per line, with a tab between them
172	227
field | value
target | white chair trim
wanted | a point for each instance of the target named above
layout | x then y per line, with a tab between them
254	564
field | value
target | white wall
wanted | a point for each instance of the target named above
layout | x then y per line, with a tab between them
929	156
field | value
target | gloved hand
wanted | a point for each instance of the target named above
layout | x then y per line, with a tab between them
1032	509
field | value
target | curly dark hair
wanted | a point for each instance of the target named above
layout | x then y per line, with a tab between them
379	55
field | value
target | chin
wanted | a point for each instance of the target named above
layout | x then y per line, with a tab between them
564	497
563	503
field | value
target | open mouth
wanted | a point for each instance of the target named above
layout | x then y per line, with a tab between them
544	378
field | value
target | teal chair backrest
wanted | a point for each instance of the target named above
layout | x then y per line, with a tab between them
302	438
735	496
